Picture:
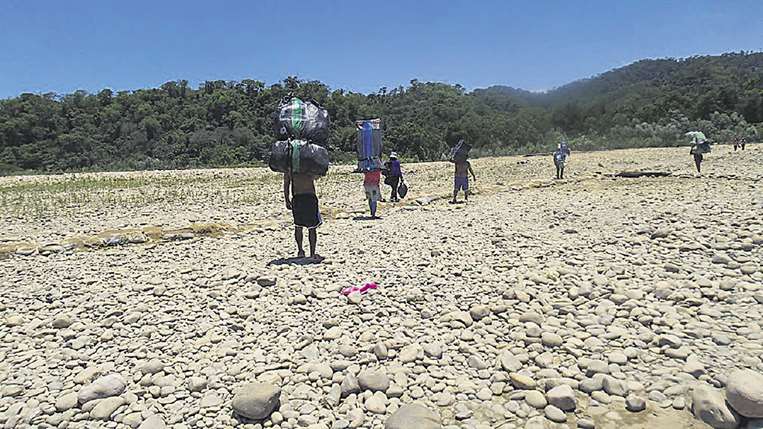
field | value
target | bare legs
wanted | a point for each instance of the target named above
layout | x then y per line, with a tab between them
312	236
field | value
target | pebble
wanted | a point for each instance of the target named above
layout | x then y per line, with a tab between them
554	414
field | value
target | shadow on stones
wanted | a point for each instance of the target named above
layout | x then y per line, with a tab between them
364	218
295	261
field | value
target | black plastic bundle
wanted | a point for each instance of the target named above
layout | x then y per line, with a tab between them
302	120
299	157
460	152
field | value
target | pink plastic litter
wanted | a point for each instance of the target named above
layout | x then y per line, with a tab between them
363	289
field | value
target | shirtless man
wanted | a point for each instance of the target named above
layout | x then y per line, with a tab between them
304	207
461	179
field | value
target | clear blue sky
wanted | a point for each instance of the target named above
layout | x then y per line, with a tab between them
64	45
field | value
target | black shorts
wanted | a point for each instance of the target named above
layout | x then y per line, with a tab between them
304	207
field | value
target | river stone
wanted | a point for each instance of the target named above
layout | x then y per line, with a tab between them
509	362
67	401
106	407
413	416
410	353
479	312
350	385
522	381
103	387
153	422
377	403
635	403
708	405
256	401
614	386
152	367
554	414
562	397
535	399
373	381
744	392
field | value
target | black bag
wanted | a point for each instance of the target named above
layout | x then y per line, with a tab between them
460	152
303	120
402	190
299	157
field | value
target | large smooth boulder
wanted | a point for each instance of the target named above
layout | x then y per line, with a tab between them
744	392
256	401
104	387
413	416
709	406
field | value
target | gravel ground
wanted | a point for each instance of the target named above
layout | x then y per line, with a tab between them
586	302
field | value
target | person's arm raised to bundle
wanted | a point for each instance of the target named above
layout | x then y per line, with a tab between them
286	189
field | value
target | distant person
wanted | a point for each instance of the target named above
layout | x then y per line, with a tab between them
394	175
698	148
743	142
304	208
560	157
371	181
461	179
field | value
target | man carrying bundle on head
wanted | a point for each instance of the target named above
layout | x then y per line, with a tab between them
301	159
699	146
369	160
459	156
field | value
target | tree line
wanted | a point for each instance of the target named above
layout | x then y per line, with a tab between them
228	123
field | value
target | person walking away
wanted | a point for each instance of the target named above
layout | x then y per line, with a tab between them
699	147
373	193
461	179
304	207
697	159
743	142
395	176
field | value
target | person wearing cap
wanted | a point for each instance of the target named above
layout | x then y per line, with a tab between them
394	175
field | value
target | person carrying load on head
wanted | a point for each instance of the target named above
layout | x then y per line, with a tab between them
369	160
301	159
699	146
394	175
459	156
560	157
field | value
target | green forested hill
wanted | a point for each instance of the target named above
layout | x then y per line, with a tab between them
648	103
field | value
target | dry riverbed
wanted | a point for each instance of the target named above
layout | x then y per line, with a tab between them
156	299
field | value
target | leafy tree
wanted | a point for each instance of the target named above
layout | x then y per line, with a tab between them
648	103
